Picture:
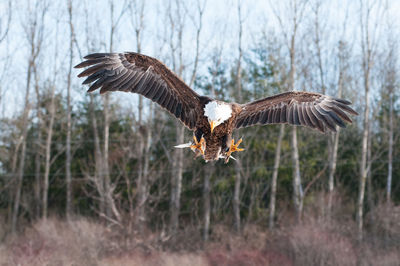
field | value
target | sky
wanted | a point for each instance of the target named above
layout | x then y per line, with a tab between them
220	29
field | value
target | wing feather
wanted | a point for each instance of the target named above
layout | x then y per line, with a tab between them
313	110
290	115
283	117
323	118
305	116
296	119
133	72
300	113
277	115
93	77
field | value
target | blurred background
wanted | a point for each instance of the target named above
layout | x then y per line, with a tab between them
94	180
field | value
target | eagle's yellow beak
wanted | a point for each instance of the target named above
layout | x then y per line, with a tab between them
212	125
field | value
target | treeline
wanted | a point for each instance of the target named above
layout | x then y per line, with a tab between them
67	153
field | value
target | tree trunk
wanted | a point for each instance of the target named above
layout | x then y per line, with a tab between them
390	151
363	164
68	207
180	130
296	11
49	129
177	23
106	130
206	199
369	177
38	183
48	153
37	187
20	171
145	132
110	207
366	67
275	177
332	170
141	183
236	195
34	37
176	181
334	147
38	144
106	171
98	158
297	187
143	176
20	176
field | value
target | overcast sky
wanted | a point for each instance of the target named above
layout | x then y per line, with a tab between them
220	28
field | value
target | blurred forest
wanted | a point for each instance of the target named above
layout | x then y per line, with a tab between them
105	164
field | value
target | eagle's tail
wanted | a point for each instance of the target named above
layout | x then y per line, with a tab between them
185	145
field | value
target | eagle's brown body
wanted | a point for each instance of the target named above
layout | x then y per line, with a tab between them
219	141
133	72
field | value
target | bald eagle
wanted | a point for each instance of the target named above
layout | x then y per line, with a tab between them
211	121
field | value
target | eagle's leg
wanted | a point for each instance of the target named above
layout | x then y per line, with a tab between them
198	145
233	148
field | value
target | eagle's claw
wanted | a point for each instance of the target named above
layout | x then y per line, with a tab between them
198	145
233	148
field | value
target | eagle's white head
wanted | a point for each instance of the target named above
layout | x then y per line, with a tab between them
217	113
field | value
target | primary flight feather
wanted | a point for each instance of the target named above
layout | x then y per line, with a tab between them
212	121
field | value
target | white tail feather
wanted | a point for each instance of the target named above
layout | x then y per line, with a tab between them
185	145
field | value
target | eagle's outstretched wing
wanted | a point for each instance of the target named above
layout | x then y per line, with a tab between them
133	72
297	108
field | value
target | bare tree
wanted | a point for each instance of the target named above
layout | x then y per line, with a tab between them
390	87
368	40
334	147
177	22
342	62
38	144
236	192
48	151
97	179
296	11
137	9
279	78
209	170
106	116
49	129
33	29
391	79
333	141
107	196
24	129
68	207
297	187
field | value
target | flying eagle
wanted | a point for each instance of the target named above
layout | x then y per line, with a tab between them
211	121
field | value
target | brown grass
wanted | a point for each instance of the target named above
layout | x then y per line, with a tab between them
52	242
317	244
313	242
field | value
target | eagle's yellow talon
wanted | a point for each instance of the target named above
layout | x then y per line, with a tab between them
234	147
198	145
